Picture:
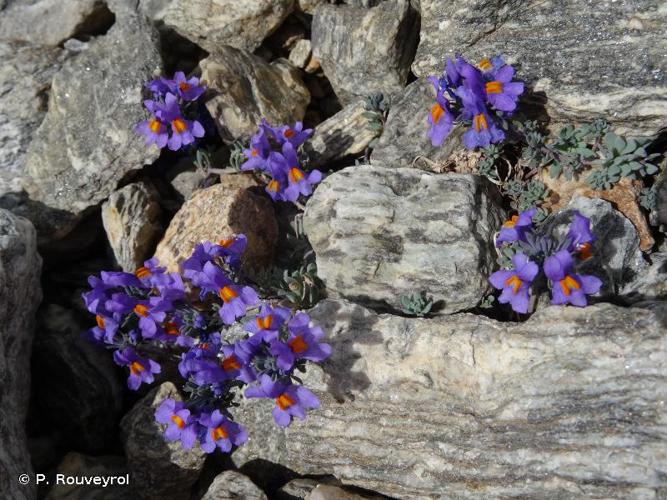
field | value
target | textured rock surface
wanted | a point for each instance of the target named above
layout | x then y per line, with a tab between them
567	404
230	485
25	76
131	218
20	294
326	492
212	23
405	134
343	135
595	59
51	22
158	469
616	256
76	385
650	283
219	212
379	233
76	464
245	89
365	51
86	143
300	53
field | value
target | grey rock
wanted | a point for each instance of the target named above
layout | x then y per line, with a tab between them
659	214
405	134
308	6
51	22
327	492
212	23
343	135
245	89
76	382
300	53
649	284
593	61
380	233
25	78
567	404
159	470
616	258
20	294
131	219
230	485
365	51
78	465
86	144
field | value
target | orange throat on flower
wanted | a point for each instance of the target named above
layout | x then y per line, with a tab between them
485	64
219	433
479	122
284	401
288	133
585	251
436	112
136	368
298	345
230	363
179	126
511	222
493	87
568	284
142	272
100	321
515	282
274	186
154	125
226	242
184	86
178	421
227	294
265	322
141	310
295	175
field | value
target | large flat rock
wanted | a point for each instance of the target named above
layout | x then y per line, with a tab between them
568	404
380	233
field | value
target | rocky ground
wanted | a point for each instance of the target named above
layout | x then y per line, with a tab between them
467	402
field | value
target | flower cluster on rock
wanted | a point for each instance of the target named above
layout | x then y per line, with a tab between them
155	313
536	249
481	97
173	122
273	151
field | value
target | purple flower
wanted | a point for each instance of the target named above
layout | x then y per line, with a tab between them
220	432
440	117
303	343
295	135
501	92
258	153
516	227
268	322
181	425
154	131
141	369
235	298
188	90
299	183
291	400
159	86
515	284
105	330
566	286
580	236
490	66
484	130
183	132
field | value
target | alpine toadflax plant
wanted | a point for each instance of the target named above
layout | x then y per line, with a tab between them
273	151
152	316
174	111
480	97
540	259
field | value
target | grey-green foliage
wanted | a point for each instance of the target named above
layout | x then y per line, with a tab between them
487	165
376	108
527	194
416	304
301	287
648	198
488	302
202	159
236	156
620	157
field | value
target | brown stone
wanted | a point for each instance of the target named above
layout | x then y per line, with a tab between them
219	212
623	196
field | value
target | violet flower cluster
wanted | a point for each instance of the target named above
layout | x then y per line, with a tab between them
173	122
273	151
151	316
481	97
542	260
